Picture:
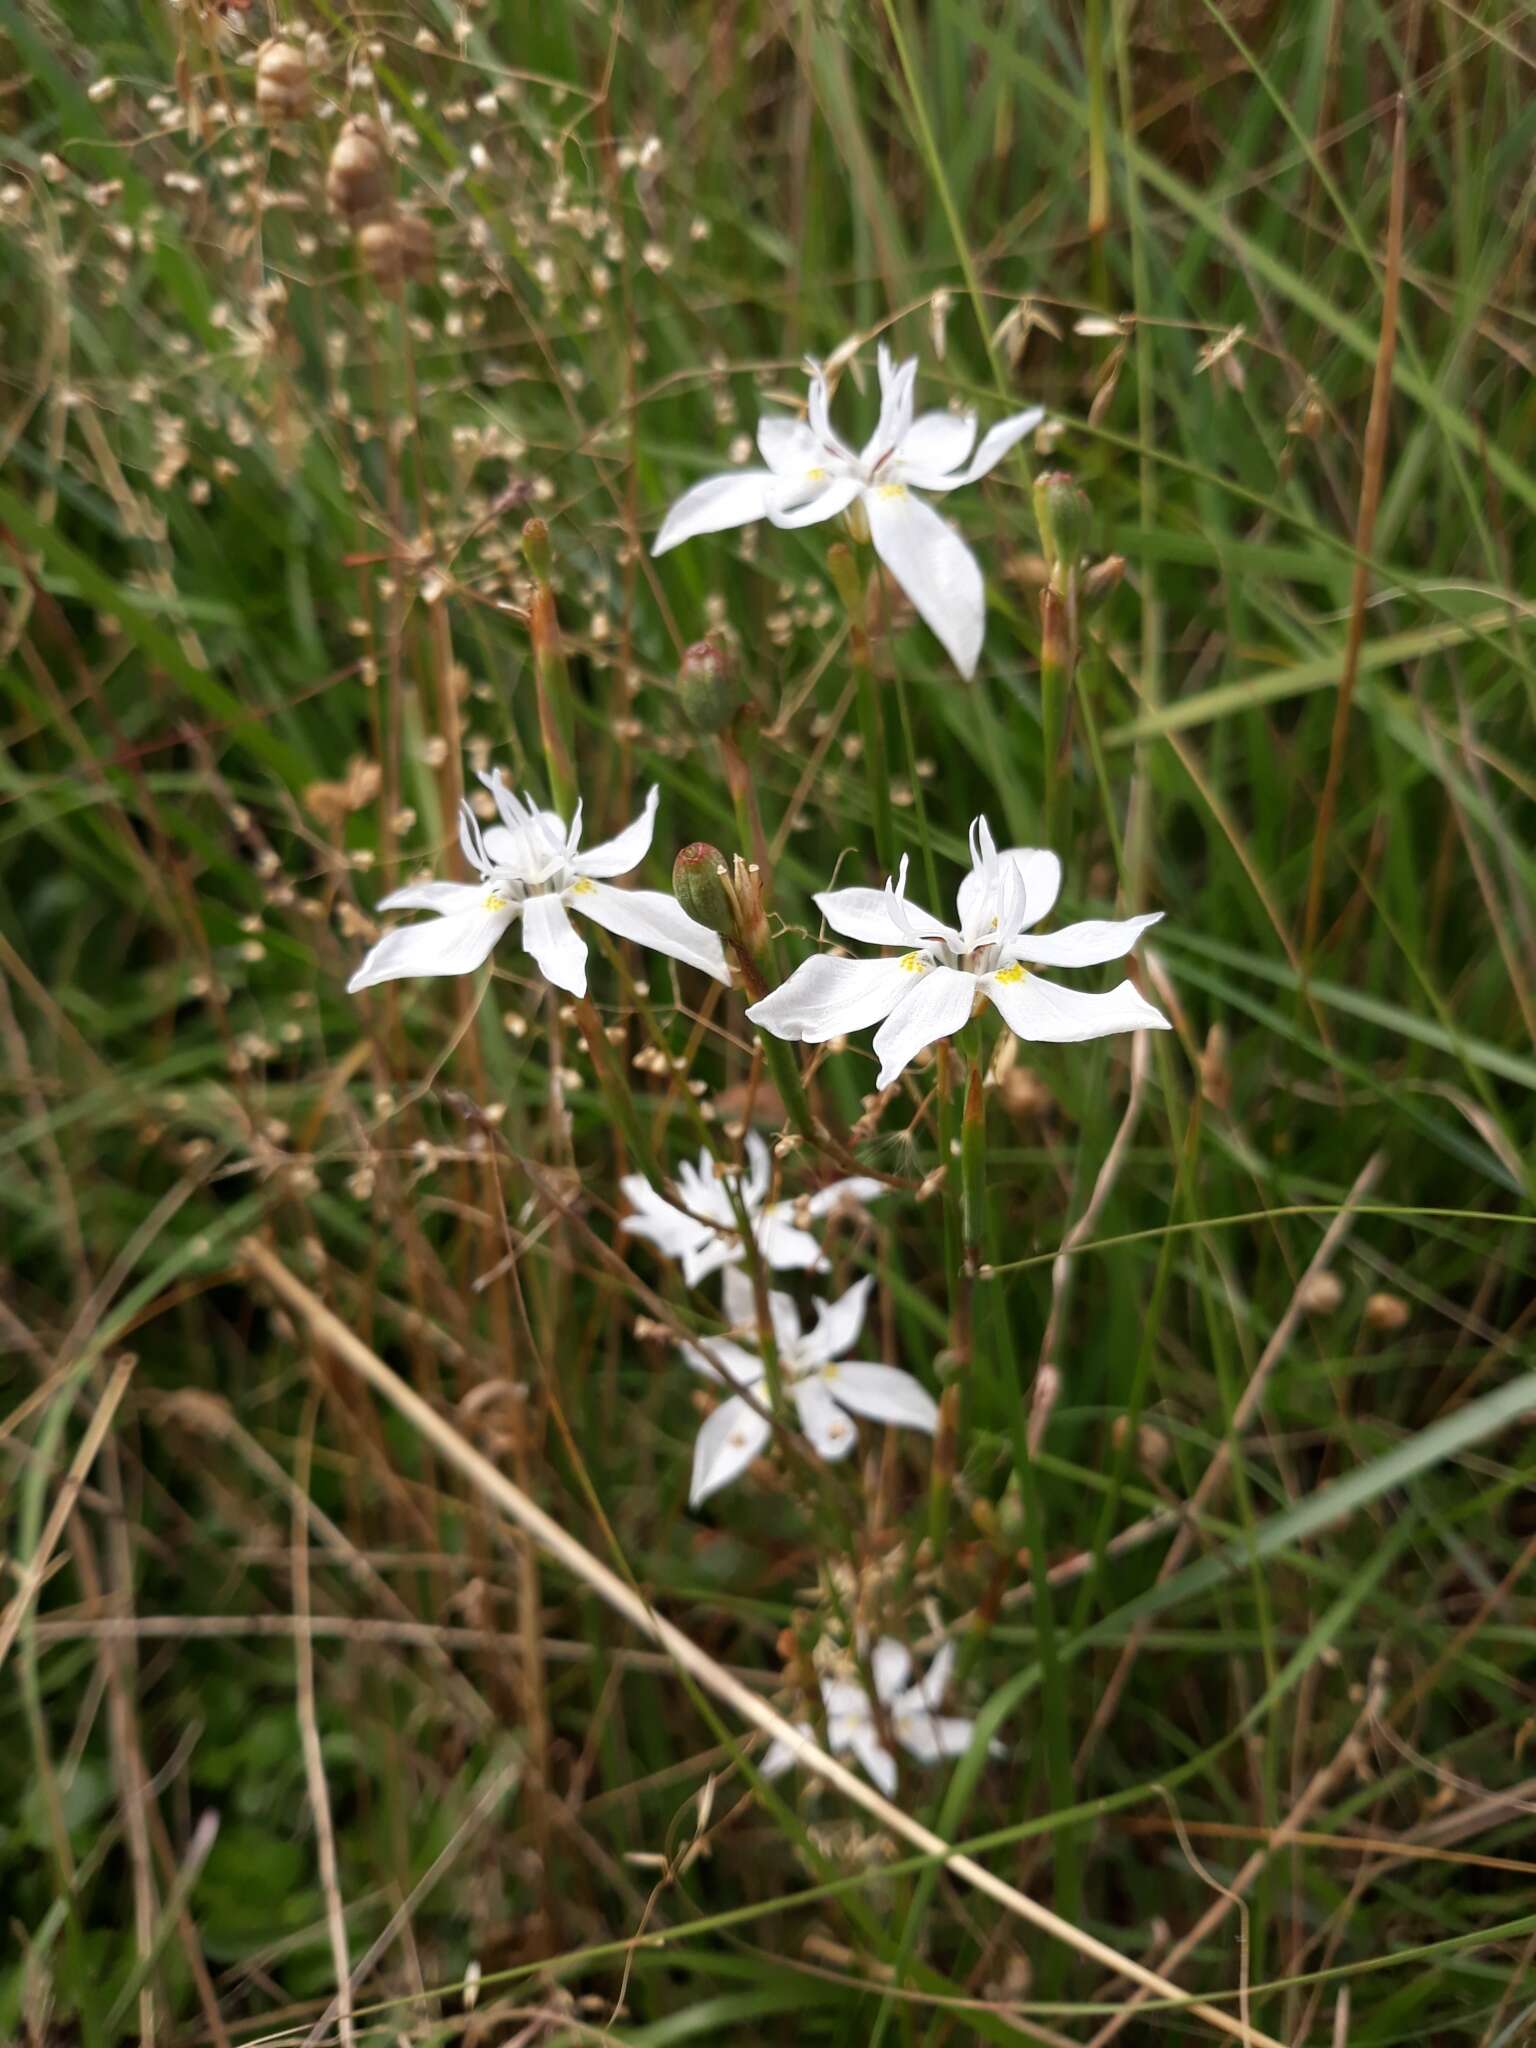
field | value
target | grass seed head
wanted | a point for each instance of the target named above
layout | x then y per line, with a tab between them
357	177
282	83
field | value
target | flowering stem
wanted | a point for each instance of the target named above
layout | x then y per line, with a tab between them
552	680
845	575
1058	664
616	1094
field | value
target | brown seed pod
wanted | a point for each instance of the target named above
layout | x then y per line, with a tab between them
396	250
282	83
357	177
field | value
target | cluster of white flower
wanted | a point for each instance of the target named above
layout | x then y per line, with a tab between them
927	986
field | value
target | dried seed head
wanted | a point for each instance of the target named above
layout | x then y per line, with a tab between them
1321	1294
282	83
1387	1313
356	179
396	249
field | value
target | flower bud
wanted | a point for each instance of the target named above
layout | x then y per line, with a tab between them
282	82
709	686
1102	580
536	550
698	883
356	179
1386	1312
1321	1294
1064	517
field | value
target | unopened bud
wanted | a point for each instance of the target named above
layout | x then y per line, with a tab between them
709	686
1101	581
1064	517
282	83
698	883
357	178
536	550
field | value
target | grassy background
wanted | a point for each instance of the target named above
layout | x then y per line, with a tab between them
260	524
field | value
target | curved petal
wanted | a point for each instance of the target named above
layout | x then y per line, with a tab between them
842	1194
785	1318
626	849
931	1737
784	1246
1052	1015
879	1764
1083	945
710	1250
995	444
934	567
828	495
726	1445
555	943
652	919
880	917
759	1169
444	897
896	385
938	1005
935	444
658	1221
778	1756
788	445
882	1393
719	1359
890	1665
737	1300
441	945
831	1434
710	507
819	415
825	997
931	1687
1039	872
838	1323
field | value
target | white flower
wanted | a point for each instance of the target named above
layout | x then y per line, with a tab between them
910	1711
704	1232
530	866
933	988
825	1387
812	475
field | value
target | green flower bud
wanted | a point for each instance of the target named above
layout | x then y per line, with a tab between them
709	686
536	550
1064	517
698	883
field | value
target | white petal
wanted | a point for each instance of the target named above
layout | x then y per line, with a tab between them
882	1393
935	444
930	1690
1052	1015
825	997
938	1005
627	849
934	567
778	1756
842	1194
1039	872
726	1445
710	507
838	1323
929	1737
719	1359
652	919
738	1300
890	1666
555	943
820	498
785	1318
832	1435
784	1246
787	445
1083	945
995	444
896	385
880	917
708	1253
759	1170
443	897
441	945
821	421
879	1764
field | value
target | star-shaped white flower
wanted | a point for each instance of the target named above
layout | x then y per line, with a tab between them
931	990
704	1232
531	867
812	475
911	1712
825	1386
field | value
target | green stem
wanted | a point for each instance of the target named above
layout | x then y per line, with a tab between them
552	677
615	1092
850	588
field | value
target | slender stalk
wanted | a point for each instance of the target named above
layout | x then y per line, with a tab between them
877	770
552	678
615	1092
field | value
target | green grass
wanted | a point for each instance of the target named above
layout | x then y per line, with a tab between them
262	521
